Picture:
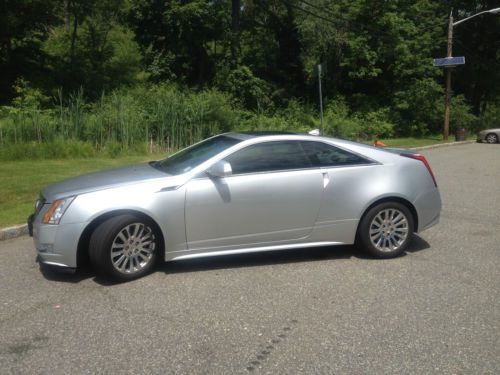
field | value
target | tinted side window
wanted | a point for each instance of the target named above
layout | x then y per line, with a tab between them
323	155
269	156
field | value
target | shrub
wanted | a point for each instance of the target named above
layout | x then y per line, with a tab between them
337	121
490	118
461	115
376	124
419	108
251	91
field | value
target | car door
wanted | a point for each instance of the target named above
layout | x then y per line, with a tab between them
273	196
349	178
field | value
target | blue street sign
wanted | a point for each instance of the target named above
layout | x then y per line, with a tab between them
449	62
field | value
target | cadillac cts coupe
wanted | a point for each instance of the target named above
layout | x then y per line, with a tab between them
237	193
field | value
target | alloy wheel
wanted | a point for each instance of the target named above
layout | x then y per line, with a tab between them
133	247
389	230
491	138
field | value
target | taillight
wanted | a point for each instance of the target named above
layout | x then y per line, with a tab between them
423	160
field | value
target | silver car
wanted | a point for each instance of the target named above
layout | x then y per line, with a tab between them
237	193
489	135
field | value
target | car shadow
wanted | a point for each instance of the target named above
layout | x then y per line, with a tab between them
312	254
418	244
67	276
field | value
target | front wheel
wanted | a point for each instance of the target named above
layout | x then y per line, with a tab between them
386	230
491	138
124	247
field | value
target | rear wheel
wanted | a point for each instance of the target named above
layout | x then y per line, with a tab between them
386	230
124	247
492	138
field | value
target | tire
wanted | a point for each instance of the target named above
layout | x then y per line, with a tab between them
386	230
492	138
124	247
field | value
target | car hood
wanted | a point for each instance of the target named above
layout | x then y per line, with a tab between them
102	180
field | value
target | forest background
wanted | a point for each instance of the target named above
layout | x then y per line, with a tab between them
85	77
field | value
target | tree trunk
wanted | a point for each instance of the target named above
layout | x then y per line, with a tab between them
235	32
74	33
66	15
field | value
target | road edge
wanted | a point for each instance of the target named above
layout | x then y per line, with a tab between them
13	232
438	145
22	230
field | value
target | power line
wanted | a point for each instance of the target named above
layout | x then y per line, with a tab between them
319	8
337	17
381	33
308	12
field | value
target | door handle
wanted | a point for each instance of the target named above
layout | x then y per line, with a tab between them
326	179
168	188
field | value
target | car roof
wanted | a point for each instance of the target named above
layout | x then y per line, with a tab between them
284	135
253	134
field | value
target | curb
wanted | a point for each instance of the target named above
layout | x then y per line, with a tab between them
13	232
438	145
22	230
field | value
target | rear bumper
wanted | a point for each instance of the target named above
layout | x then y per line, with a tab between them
428	206
430	224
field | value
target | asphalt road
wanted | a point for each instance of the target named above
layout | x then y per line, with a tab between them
321	311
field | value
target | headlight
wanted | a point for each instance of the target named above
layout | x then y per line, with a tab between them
56	211
39	204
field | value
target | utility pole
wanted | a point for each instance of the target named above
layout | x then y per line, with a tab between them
446	127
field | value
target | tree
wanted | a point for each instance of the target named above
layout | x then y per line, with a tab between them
96	52
176	37
23	28
378	52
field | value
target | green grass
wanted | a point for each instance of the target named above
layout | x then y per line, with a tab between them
411	142
21	181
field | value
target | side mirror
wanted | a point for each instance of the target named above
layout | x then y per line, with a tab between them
220	169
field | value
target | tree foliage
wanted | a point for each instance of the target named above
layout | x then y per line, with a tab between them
378	55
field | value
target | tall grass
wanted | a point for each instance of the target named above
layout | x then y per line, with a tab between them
162	117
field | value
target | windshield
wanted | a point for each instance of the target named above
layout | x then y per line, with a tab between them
185	160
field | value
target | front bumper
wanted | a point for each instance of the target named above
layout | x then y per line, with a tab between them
56	245
30	224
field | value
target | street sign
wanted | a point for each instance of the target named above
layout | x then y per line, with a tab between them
320	69
449	62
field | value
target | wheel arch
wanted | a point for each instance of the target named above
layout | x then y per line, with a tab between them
403	201
82	254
